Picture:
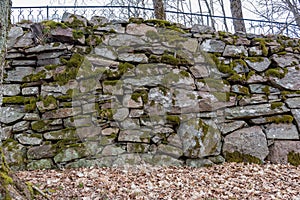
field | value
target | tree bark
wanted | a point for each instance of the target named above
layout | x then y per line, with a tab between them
159	9
237	13
10	186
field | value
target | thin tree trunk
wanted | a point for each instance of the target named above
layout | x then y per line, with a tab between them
159	10
10	186
237	13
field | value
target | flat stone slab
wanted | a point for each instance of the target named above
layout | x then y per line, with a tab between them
282	131
253	111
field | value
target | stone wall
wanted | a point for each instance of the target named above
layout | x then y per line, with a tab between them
100	92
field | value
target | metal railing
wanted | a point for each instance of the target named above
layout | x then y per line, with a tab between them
222	23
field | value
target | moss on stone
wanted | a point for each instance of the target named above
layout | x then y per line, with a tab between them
53	24
105	114
14	100
237	78
173	119
184	74
51	67
141	93
76	23
30	104
38	125
158	22
153	35
294	158
154	59
77	34
255	59
169	59
49	100
240	157
275	105
221	96
280	119
276	72
266	90
262	44
122	69
35	77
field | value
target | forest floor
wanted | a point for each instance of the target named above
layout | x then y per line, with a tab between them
226	181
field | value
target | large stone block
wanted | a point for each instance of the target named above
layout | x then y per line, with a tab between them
247	141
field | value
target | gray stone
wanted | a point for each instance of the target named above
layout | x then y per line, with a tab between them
125	40
106	52
88	133
21	126
137	57
65	35
282	131
165	160
200	71
60	113
255	78
110	131
127	159
40	164
259	65
240	68
285	60
175	152
121	114
30	91
13	34
198	28
259	89
255	51
290	80
175	140
293	102
23	62
134	136
49	55
25	41
5	133
213	46
72	153
136	113
139	29
15	55
9	115
46	47
191	45
43	151
235	51
253	111
112	150
31	117
254	99
98	21
231	126
11	89
51	61
118	28
280	149
18	74
244	140
29	139
296	115
202	162
61	134
128	102
199	139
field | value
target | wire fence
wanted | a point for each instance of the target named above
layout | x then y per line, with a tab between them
220	23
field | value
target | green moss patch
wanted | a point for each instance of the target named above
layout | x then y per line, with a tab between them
173	119
280	119
294	158
122	69
275	105
239	158
276	72
137	94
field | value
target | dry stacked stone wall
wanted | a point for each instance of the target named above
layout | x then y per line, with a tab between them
104	93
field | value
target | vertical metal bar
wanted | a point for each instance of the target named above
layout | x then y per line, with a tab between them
47	12
287	29
128	10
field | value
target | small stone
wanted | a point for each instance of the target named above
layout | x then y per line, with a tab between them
30	91
282	131
11	89
21	126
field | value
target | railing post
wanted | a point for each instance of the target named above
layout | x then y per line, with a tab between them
47	12
287	29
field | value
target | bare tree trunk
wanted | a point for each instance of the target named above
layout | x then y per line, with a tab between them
237	13
159	10
10	186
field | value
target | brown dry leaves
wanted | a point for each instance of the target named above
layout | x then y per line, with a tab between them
227	181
